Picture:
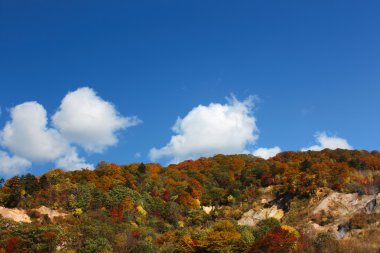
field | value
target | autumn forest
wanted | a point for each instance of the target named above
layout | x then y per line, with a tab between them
225	203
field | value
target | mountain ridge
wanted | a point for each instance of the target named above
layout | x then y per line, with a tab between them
152	208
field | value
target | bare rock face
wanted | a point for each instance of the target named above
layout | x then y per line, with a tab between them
374	205
251	218
50	212
336	209
339	204
208	209
18	215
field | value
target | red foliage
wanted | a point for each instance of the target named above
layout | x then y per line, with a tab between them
156	214
117	213
166	195
277	240
11	244
113	166
186	199
130	182
155	193
135	234
266	179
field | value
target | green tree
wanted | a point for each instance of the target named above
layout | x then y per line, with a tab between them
264	226
98	245
14	189
44	183
142	168
116	195
31	184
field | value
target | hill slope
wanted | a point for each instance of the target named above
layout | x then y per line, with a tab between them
323	201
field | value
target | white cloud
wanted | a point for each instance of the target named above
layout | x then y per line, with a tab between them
266	152
71	161
12	165
330	142
212	129
83	118
27	135
87	120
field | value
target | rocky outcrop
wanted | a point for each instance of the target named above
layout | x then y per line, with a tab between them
50	212
340	204
20	215
334	211
208	209
251	218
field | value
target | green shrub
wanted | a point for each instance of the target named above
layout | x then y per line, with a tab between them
264	226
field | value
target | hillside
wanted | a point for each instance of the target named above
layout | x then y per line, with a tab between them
325	201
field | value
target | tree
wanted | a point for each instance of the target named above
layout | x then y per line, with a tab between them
220	242
124	242
196	216
185	244
142	168
306	164
14	189
44	183
12	244
31	184
116	195
98	245
278	240
264	226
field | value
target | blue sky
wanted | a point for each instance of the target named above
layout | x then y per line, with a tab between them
314	66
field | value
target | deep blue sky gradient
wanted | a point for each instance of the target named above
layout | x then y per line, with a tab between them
315	65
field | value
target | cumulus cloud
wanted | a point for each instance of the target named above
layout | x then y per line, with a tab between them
11	165
83	119
29	138
71	161
27	135
86	119
330	142
266	152
208	130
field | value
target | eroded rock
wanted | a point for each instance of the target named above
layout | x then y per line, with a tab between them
50	212
18	215
334	211
340	204
251	218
